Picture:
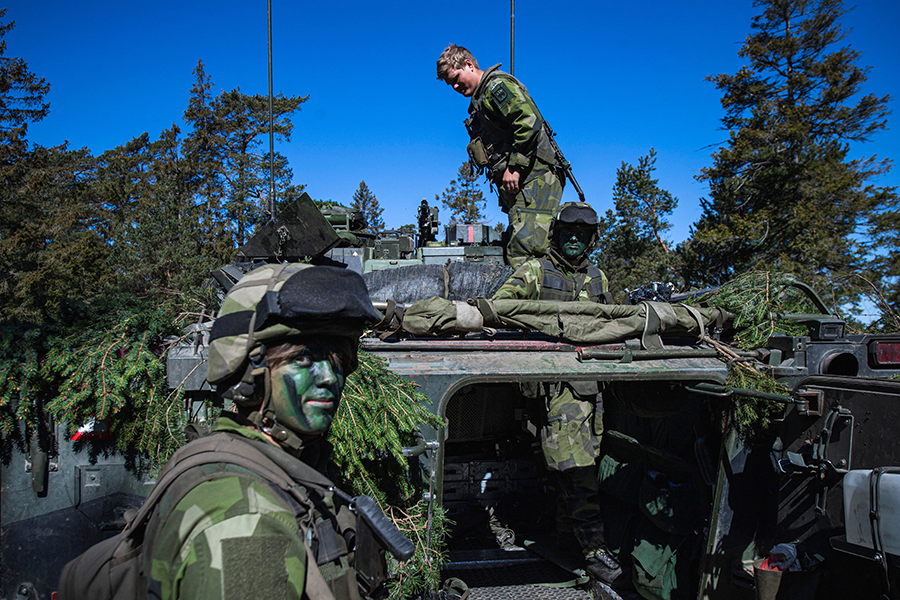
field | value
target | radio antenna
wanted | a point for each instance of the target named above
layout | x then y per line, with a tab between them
271	126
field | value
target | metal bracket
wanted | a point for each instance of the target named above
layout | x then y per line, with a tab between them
830	472
811	403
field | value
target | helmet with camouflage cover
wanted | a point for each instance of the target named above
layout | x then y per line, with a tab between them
272	304
576	215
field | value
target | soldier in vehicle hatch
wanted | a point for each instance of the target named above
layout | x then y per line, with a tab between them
509	141
244	512
571	433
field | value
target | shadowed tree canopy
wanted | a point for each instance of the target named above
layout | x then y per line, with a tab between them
22	97
366	202
150	217
632	249
783	193
463	198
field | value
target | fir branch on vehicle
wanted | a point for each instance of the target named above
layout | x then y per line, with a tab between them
423	571
380	412
20	380
760	299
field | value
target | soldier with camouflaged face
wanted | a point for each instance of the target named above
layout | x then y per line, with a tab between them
510	143
281	347
571	433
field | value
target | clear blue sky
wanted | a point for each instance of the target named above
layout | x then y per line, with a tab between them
613	78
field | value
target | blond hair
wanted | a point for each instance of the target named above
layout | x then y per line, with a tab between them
453	57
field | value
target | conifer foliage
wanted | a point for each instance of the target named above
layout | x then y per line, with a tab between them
463	198
632	249
783	192
22	97
380	413
366	202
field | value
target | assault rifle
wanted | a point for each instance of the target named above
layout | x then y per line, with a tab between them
375	533
561	161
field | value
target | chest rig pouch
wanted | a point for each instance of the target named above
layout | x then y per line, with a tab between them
488	150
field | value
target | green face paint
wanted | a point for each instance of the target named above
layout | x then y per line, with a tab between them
306	391
573	242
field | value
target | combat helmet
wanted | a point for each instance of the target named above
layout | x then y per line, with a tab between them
580	215
271	304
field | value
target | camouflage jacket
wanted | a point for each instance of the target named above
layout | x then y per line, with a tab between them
553	278
233	535
571	435
509	124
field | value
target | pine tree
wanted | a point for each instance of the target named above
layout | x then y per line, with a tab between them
22	98
245	122
463	197
54	244
366	202
51	237
783	194
160	243
203	168
632	248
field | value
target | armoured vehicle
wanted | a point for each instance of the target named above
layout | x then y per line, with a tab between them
692	504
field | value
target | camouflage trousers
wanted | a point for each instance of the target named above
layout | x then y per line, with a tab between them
570	441
531	212
578	508
571	436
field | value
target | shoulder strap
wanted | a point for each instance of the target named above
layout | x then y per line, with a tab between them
278	467
596	289
316	587
280	470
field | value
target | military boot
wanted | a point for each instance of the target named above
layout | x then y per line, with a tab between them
603	567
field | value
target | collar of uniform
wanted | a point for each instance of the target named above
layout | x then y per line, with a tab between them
231	422
479	91
563	265
316	452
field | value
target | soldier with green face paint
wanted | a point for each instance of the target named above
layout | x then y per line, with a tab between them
511	144
243	512
572	424
281	347
306	387
565	274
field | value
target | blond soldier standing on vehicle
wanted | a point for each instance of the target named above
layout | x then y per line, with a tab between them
573	427
511	143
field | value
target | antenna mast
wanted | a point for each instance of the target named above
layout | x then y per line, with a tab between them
271	126
512	37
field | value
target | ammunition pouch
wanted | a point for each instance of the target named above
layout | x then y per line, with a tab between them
490	147
486	159
478	153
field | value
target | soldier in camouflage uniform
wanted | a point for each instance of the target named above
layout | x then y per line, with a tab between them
571	433
566	274
510	142
284	341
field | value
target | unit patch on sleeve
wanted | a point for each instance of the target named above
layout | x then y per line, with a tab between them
500	93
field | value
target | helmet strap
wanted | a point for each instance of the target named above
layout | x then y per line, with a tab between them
268	424
242	392
265	418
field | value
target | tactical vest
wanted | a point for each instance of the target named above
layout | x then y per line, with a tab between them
492	136
560	288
